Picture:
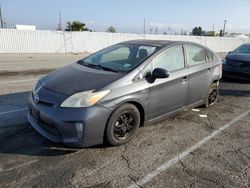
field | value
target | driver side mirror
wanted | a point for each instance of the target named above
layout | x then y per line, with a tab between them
160	73
157	73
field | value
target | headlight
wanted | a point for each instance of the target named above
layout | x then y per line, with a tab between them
84	99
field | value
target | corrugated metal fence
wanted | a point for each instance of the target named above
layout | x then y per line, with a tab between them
25	41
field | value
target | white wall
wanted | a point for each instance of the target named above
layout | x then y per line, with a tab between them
26	27
24	41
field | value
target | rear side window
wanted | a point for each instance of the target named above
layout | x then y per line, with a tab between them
196	55
172	59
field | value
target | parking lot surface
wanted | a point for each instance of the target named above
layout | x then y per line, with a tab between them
195	148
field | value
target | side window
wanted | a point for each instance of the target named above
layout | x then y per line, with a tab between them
196	55
172	59
210	56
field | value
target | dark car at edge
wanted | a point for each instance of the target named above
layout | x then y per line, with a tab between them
237	63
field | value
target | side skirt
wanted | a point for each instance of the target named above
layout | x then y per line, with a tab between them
170	114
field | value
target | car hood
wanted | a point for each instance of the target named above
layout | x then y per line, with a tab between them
76	78
238	57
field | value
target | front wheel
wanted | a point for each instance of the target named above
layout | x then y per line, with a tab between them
213	94
122	125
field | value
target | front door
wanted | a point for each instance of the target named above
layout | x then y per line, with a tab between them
169	94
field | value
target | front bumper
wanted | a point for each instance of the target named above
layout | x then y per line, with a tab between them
231	72
71	126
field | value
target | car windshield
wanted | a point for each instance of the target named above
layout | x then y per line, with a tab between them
119	58
244	49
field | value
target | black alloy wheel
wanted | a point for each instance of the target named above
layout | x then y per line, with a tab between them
123	124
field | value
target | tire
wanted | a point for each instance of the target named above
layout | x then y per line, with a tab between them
125	120
213	94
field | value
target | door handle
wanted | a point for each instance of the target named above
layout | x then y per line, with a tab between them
209	69
184	79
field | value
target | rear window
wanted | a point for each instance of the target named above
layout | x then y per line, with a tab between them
196	55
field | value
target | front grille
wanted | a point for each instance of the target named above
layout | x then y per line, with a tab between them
48	125
41	101
35	114
44	122
50	129
45	103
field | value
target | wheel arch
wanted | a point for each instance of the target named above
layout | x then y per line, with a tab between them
215	81
141	110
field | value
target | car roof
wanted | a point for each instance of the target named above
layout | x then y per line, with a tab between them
157	43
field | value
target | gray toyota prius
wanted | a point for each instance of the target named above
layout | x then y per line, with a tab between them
108	95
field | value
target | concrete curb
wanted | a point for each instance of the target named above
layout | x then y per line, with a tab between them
26	72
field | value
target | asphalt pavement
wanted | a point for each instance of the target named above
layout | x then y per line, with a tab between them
195	148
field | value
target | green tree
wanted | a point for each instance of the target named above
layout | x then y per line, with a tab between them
111	29
197	31
76	26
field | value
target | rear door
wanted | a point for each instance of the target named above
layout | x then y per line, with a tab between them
200	72
169	94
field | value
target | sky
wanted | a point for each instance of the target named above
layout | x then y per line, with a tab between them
170	16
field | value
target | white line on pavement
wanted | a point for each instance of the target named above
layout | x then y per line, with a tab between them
12	111
18	166
185	153
18	81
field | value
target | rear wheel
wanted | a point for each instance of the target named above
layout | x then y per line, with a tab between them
122	125
213	94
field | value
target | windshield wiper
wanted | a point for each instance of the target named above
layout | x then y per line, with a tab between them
106	68
99	67
81	62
